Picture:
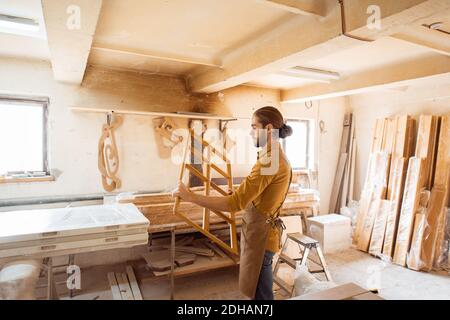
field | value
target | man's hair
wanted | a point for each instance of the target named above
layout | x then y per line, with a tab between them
273	116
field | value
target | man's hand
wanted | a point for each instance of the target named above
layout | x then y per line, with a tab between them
182	192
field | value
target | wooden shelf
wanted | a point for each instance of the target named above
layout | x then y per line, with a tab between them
26	179
186	115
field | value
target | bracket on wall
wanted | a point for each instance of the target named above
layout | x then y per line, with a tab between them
208	165
108	157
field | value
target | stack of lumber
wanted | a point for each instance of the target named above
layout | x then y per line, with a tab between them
63	231
124	286
158	208
405	196
381	196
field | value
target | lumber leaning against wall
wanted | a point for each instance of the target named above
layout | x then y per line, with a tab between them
427	245
419	178
402	151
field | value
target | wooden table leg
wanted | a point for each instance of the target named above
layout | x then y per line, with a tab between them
71	263
52	294
172	262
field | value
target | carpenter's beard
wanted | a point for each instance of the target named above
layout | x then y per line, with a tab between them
261	139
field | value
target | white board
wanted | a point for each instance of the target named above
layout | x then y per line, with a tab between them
62	222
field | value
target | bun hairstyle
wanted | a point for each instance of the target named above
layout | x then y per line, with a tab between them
271	115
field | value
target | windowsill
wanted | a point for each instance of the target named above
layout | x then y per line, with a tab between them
26	179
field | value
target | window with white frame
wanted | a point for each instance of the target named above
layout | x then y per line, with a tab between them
23	140
299	146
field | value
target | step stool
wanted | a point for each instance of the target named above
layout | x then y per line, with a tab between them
306	245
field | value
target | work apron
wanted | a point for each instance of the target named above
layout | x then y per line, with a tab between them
254	234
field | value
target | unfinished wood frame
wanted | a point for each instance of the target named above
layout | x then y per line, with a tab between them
206	179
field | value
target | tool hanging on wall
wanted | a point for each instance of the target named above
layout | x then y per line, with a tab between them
207	163
167	131
108	157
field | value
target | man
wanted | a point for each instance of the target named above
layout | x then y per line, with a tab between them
261	195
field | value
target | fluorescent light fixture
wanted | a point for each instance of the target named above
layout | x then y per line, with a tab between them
311	74
18	23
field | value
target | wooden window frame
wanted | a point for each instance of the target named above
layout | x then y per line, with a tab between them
42	102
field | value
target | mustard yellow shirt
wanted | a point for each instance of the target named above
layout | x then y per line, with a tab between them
267	191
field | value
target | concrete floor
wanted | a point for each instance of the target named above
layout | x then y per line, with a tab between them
393	282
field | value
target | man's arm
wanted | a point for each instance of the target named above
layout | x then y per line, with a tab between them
212	203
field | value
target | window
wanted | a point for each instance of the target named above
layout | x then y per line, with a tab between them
23	141
298	147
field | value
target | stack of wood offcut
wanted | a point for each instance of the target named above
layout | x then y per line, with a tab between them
405	199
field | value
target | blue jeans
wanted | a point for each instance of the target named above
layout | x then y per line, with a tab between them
264	290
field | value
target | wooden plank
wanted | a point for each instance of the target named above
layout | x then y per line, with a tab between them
410	204
158	260
114	286
367	297
425	148
442	180
198	251
351	191
377	136
337	185
216	249
185	259
429	242
204	116
375	189
201	264
397	182
443	157
379	228
124	286
364	206
389	135
348	175
413	260
366	232
343	292
133	283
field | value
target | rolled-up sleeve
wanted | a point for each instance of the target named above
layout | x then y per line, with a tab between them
250	188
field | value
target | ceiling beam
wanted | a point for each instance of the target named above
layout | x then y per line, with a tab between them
319	8
152	55
427	38
70	26
305	38
395	75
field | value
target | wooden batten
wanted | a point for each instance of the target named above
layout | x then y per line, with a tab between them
379	228
410	205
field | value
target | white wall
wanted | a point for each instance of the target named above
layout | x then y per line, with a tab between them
73	137
430	97
331	112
